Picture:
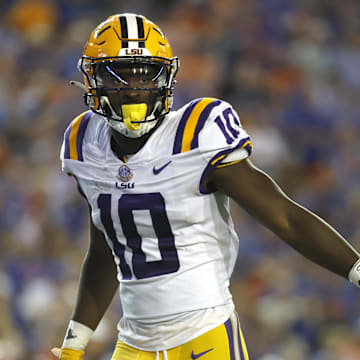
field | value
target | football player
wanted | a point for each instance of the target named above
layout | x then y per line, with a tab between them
158	184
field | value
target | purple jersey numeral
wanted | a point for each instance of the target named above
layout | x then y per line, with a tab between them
225	125
104	204
127	204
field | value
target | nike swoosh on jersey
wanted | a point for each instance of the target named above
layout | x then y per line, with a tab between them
196	356
160	169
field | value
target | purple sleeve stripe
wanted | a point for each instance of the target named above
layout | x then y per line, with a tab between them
180	130
215	160
81	133
230	334
246	144
67	143
200	124
209	168
248	148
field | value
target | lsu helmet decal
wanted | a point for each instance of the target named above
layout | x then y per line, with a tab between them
129	73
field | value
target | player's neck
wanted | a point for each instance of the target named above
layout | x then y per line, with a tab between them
122	145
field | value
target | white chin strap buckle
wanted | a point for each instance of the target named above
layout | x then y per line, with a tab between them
121	128
129	125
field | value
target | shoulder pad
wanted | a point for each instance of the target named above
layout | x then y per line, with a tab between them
74	136
192	121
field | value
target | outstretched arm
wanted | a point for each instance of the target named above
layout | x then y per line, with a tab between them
98	282
97	286
306	232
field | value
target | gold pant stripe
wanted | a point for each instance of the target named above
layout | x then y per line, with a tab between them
241	340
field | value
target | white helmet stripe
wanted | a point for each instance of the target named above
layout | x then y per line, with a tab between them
132	31
132	27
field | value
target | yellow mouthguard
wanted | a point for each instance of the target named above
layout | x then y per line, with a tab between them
133	112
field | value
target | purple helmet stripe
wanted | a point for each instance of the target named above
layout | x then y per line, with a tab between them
124	31
141	33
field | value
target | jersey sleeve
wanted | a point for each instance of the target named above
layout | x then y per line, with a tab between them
72	149
222	141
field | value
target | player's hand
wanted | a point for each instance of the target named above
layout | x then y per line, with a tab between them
68	354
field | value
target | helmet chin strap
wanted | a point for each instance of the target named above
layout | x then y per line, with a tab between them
128	124
130	114
121	128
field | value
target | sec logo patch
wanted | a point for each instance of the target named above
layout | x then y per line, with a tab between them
124	173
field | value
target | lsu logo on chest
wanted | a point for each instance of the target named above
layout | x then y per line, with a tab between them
124	186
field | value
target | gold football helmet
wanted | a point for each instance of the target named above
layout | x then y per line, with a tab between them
129	73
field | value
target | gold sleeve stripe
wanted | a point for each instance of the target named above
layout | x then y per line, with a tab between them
191	123
229	163
248	143
217	159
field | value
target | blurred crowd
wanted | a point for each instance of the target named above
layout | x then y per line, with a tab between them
289	67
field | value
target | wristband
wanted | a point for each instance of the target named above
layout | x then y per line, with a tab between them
71	354
77	336
354	274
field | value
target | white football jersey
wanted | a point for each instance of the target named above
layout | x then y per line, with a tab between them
172	239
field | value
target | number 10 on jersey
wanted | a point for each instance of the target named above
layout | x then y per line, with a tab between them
127	204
